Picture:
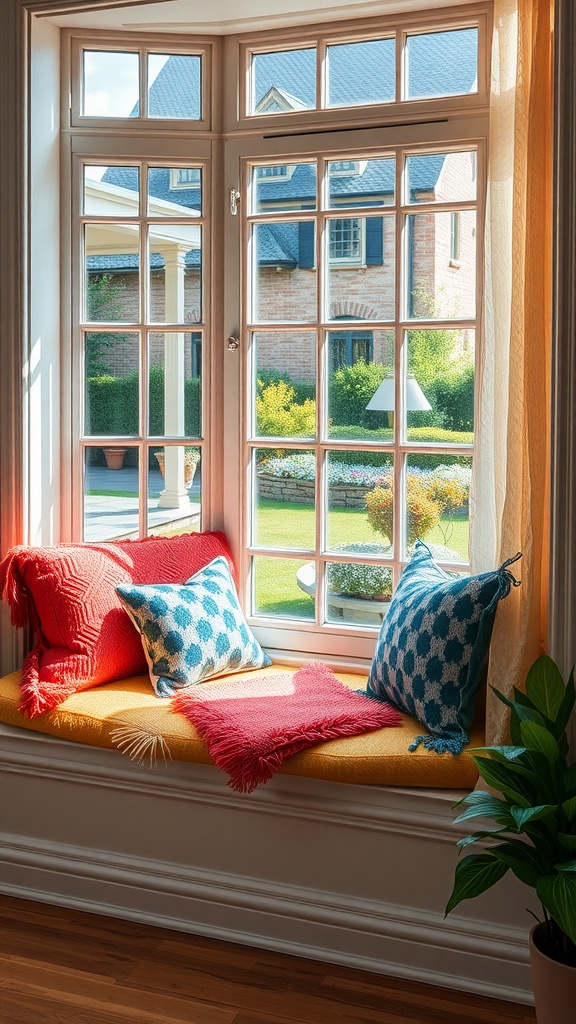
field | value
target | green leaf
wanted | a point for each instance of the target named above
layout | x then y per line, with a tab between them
489	807
537	737
568	866
523	699
568	702
567	841
499	753
557	894
569	808
523	860
475	874
486	834
524	714
522	815
502	777
545	686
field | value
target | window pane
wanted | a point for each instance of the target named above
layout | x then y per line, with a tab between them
356	593
279	187
285	384
111	191
284	273
175	367
442	63
175	273
438	489
174	191
441	177
284	513
111	383
110	84
361	182
111	493
360	253
283	81
361	73
174	490
360	406
279	590
440	386
112	273
441	289
352	479
174	86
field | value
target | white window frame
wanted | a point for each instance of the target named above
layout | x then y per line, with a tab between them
226	507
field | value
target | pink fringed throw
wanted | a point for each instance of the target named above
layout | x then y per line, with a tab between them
252	724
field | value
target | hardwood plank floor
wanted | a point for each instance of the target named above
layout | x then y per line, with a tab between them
60	966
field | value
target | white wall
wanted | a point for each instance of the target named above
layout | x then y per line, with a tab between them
42	369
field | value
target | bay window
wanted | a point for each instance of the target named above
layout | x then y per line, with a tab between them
336	423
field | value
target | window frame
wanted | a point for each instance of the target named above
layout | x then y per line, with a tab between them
339	143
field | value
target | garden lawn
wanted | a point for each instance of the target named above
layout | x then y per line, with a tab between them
291	525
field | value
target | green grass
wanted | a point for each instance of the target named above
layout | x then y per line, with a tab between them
113	494
291	525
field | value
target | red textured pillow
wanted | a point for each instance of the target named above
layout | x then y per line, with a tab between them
67	593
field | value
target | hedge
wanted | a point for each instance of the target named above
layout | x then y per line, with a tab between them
112	407
426	435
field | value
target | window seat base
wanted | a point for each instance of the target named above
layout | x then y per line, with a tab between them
127	715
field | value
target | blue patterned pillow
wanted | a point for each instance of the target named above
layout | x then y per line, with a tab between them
433	645
192	631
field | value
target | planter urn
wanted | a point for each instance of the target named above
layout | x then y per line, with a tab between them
553	984
114	457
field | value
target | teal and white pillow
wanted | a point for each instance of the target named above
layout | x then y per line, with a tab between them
192	631
433	646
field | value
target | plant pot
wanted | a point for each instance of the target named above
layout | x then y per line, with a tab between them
553	984
191	460
114	457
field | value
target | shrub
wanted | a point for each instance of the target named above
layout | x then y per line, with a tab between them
350	389
454	396
367	581
278	415
303	389
423	511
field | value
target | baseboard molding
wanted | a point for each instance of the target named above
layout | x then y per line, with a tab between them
351	875
236	908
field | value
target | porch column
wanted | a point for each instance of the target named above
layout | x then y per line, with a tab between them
174	494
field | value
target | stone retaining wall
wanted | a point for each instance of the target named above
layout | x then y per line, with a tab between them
302	491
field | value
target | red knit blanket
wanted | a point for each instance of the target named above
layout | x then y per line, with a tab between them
252	724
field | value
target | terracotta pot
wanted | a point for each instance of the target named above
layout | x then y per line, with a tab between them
553	984
114	457
190	463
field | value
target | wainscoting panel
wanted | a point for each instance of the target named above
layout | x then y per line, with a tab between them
352	875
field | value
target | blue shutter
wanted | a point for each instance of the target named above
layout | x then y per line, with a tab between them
374	241
306	254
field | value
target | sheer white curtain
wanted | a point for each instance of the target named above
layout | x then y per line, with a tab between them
510	492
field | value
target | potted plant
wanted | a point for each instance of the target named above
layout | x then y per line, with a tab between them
534	831
191	460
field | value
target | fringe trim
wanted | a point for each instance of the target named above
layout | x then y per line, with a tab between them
12	587
141	745
440	745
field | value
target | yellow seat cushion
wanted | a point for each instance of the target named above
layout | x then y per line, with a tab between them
127	715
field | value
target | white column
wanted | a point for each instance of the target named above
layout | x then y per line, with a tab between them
174	494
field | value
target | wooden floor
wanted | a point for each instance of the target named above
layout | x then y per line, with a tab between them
60	966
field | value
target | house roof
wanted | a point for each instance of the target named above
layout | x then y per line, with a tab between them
438	63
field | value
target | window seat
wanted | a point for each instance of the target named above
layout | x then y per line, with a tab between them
105	715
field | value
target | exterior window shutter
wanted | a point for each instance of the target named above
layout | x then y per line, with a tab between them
306	254
374	241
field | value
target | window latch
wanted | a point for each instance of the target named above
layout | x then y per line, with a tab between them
233	343
234	200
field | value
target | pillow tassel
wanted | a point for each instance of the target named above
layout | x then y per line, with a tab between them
441	745
12	588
